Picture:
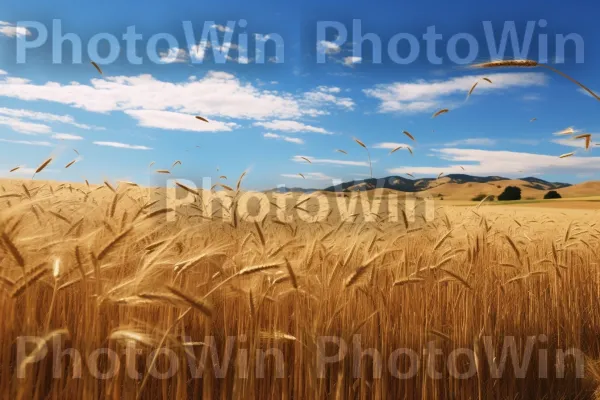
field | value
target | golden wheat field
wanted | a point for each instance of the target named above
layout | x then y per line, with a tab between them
105	297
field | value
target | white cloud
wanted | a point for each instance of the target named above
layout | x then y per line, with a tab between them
217	94
488	162
20	126
42	116
389	145
222	28
327	47
3	72
66	136
472	142
290	126
313	160
425	96
293	140
170	120
122	145
11	30
285	138
324	95
532	97
27	142
174	55
198	51
350	61
329	89
310	176
261	38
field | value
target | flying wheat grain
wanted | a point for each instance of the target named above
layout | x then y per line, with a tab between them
360	143
409	135
533	64
440	112
97	67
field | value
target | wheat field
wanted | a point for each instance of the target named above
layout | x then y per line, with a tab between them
102	267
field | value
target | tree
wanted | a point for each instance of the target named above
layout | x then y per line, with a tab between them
510	193
553	194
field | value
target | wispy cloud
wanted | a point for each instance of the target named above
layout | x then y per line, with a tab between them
285	138
170	120
290	126
222	28
174	55
27	142
122	145
472	142
327	47
314	160
351	60
488	162
532	97
325	95
25	127
66	136
310	176
389	145
43	116
11	30
426	96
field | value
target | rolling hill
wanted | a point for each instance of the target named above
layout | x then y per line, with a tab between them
465	187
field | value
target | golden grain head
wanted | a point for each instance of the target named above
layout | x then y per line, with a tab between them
97	68
396	149
43	165
508	63
407	133
567	131
360	143
440	112
472	89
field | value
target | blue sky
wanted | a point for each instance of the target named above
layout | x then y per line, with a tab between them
265	116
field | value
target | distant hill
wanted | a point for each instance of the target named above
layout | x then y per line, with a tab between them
294	189
542	184
459	186
417	185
